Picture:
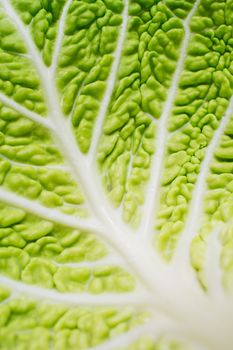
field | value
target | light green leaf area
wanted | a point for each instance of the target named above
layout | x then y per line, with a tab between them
205	88
149	57
85	58
116	174
32	166
18	78
218	213
42	19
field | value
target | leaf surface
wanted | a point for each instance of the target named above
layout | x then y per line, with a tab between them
116	174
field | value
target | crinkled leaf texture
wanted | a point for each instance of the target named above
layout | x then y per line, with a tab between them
116	174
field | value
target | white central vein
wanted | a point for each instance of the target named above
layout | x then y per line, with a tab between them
110	84
196	205
158	160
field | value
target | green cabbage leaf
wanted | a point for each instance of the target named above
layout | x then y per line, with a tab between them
116	174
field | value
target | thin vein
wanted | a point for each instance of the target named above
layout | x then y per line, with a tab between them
129	173
109	260
26	112
48	213
120	209
158	159
153	119
60	36
196	205
47	167
110	83
152	329
79	299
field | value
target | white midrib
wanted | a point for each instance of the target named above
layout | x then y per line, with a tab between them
153	186
181	257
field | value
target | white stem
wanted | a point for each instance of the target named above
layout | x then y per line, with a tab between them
152	200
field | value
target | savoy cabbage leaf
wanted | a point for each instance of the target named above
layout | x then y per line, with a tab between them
116	174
